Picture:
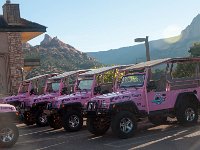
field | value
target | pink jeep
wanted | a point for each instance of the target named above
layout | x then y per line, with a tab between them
28	90
61	84
8	130
148	91
67	110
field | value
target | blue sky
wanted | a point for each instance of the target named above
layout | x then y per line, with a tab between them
96	25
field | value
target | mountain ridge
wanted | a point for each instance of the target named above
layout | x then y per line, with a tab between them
177	46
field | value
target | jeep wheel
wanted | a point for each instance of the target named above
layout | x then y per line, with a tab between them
28	118
187	113
8	135
72	121
55	121
124	124
158	120
41	119
98	126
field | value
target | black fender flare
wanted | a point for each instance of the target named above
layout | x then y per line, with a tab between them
73	106
39	106
181	98
17	102
124	106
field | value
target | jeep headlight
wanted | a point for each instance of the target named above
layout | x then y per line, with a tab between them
22	105
49	106
103	104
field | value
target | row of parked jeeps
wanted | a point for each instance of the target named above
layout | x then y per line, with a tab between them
117	97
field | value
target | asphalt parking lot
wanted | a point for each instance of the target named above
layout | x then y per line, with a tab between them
165	137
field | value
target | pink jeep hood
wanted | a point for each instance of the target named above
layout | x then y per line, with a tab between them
117	97
45	97
82	97
14	98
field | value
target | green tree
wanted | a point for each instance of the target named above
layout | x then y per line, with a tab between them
195	50
184	70
188	69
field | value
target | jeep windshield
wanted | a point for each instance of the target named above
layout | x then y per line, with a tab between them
135	80
53	86
85	84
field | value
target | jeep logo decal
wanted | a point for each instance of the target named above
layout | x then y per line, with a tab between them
158	99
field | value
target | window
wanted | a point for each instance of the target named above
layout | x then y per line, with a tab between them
136	80
85	84
53	86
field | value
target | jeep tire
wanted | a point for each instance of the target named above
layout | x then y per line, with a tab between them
8	134
187	113
41	119
124	124
72	121
98	126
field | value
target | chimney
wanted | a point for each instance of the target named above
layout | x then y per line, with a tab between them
11	13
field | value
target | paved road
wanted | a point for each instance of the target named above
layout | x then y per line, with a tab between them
165	137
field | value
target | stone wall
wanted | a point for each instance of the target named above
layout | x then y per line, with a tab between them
16	61
3	63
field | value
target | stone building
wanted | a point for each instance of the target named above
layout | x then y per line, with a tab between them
14	31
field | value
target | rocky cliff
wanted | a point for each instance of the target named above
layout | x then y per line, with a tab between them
56	56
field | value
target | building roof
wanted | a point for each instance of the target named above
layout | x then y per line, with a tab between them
11	21
67	74
101	70
24	26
